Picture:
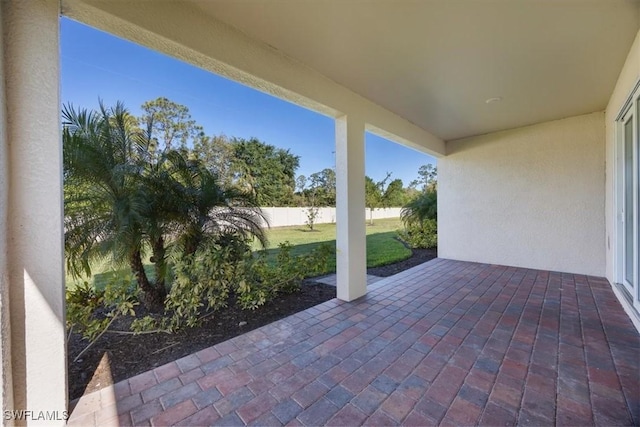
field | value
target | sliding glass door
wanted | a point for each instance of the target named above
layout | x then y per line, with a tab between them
628	203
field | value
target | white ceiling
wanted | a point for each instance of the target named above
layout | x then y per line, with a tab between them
436	62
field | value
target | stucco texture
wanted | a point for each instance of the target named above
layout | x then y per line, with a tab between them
528	197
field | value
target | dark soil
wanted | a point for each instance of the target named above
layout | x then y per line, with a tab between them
115	357
419	256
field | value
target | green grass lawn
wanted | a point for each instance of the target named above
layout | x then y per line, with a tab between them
382	247
103	272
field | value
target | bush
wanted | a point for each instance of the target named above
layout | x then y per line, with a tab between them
206	276
420	235
91	312
204	282
285	275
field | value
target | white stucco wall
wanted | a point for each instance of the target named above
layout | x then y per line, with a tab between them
529	197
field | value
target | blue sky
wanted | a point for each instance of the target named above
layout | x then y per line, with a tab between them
97	65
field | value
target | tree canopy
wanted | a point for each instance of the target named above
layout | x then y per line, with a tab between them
169	124
378	194
265	170
427	178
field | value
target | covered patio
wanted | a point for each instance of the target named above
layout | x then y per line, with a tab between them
447	342
533	112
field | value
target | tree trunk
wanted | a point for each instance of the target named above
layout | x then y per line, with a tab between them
152	297
193	242
159	262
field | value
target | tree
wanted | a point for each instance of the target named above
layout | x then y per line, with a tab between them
425	205
375	194
265	170
121	196
324	186
394	194
420	209
169	123
427	178
105	206
301	183
420	215
216	153
312	210
312	213
207	211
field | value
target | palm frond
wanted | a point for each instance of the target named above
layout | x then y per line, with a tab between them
423	207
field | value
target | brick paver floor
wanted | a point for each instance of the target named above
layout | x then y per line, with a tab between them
332	279
446	342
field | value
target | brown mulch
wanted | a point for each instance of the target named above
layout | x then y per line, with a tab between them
418	257
115	357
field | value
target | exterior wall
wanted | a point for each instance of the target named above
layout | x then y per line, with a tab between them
31	209
627	80
529	197
286	216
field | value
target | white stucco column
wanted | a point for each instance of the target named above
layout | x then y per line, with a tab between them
351	249
33	207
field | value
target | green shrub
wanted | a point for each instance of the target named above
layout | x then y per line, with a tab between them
204	282
203	279
91	312
420	235
285	275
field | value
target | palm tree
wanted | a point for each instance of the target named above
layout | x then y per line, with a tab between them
106	208
205	209
420	209
122	196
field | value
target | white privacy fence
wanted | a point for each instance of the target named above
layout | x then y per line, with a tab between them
282	217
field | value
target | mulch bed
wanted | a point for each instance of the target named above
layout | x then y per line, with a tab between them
418	257
115	357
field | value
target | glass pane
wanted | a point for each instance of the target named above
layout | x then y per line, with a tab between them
628	202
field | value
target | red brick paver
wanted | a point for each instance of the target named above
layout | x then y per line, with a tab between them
446	342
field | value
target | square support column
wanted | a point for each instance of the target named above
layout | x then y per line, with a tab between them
351	245
33	217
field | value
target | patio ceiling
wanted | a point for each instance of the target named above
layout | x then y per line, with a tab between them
436	62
